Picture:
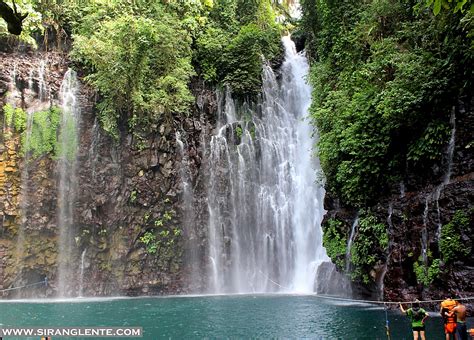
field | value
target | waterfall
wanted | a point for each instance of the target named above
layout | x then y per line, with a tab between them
25	187
81	273
12	89
67	163
381	279
402	189
93	155
447	174
424	233
30	80
42	90
189	217
265	205
349	243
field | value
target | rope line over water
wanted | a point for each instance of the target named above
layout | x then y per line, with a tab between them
337	298
319	296
45	282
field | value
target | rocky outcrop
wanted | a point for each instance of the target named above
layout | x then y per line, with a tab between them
128	234
414	215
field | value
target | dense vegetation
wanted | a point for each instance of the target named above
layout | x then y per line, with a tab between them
369	245
454	240
42	136
386	75
454	244
141	55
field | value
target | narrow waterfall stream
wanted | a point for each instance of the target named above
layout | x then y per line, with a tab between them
447	174
67	164
354	226
265	204
424	233
192	252
81	273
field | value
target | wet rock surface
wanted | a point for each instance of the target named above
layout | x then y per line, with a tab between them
424	204
125	190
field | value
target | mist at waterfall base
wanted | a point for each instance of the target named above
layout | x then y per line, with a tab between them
265	205
238	316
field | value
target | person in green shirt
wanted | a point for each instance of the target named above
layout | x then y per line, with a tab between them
418	316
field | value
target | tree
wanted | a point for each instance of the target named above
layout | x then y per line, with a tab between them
12	17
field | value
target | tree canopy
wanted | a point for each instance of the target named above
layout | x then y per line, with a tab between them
386	75
141	55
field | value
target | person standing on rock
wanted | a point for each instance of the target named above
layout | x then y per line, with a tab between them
418	316
461	328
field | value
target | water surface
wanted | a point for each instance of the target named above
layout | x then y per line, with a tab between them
237	316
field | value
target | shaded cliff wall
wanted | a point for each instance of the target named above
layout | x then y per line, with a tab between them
127	191
414	214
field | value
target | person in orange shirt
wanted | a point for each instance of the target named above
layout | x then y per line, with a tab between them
449	317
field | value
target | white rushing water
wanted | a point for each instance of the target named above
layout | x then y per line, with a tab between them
424	233
192	254
81	273
265	205
354	226
42	89
447	174
67	164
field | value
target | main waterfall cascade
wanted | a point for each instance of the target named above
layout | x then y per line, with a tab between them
265	203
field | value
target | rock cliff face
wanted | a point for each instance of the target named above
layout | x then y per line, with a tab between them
128	232
415	214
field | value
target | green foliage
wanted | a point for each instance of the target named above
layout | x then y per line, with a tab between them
160	235
15	118
335	241
165	238
68	142
140	63
383	90
168	215
141	55
149	240
158	223
425	275
133	196
454	6
241	65
239	131
209	52
451	245
430	144
43	137
232	45
369	246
